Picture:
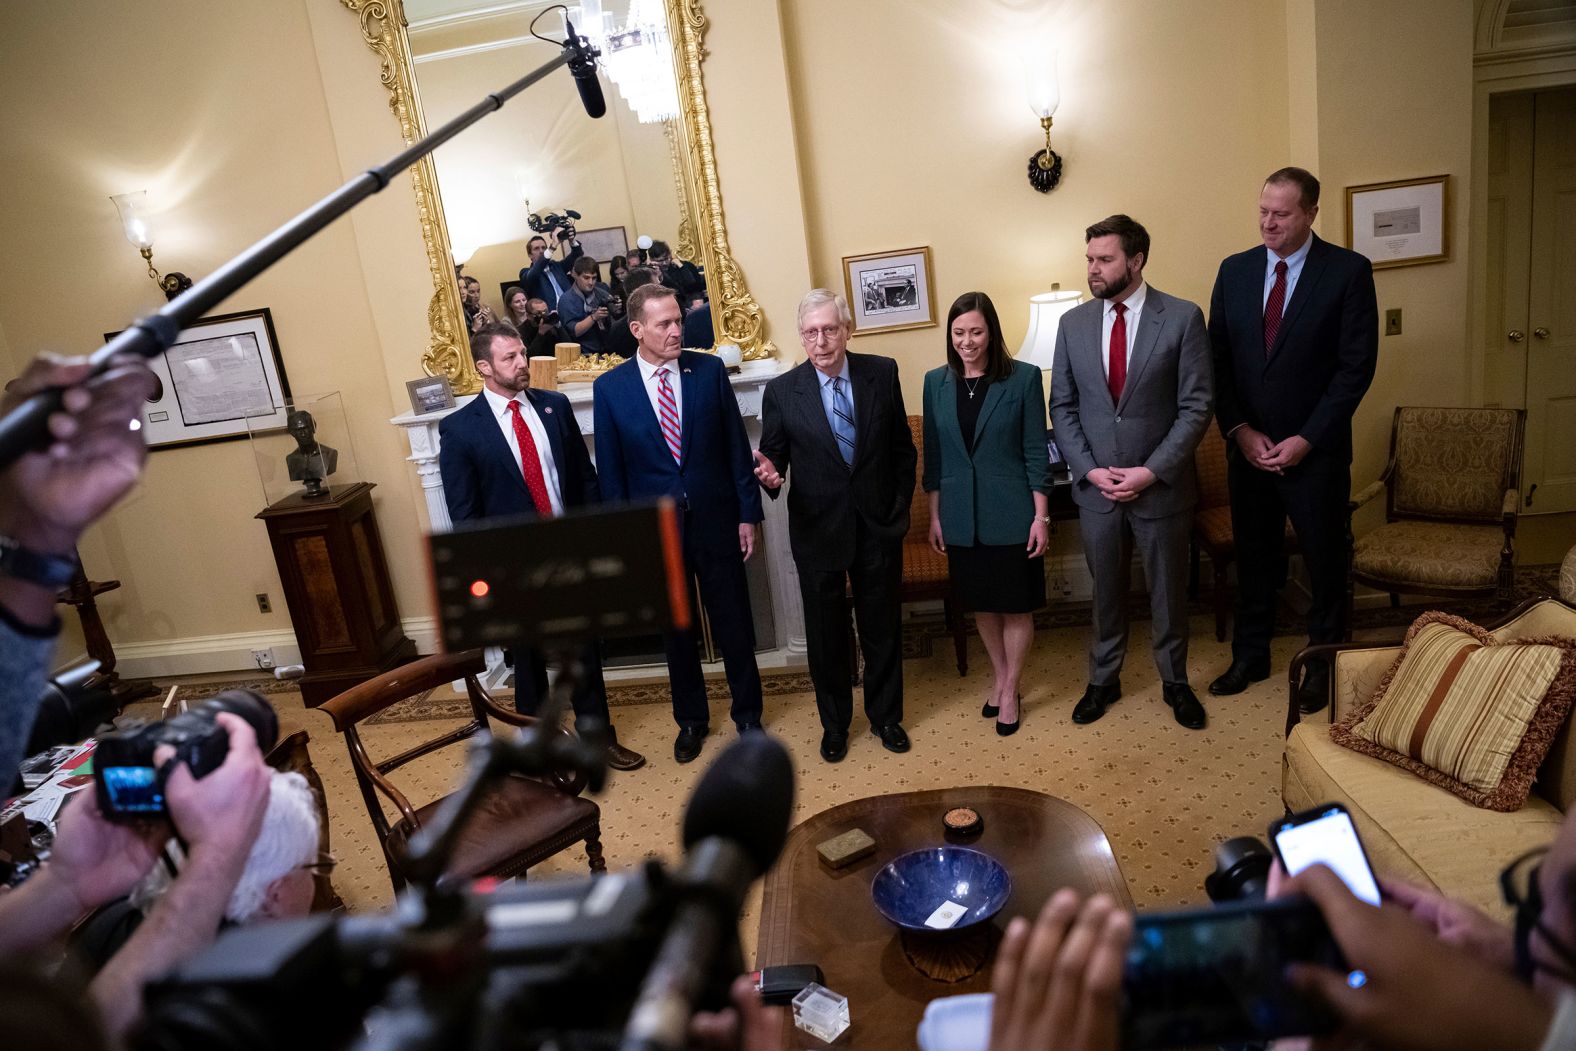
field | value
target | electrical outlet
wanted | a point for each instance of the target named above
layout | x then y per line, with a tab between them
263	605
264	658
1392	322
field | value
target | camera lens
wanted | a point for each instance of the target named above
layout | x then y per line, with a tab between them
250	706
1242	870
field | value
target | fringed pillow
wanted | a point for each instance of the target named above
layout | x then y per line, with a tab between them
1467	712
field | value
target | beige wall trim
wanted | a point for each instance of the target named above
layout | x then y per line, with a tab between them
203	654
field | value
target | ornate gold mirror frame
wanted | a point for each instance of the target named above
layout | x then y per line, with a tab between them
736	316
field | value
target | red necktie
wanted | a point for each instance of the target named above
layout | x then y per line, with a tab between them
1116	373
669	415
531	464
1274	307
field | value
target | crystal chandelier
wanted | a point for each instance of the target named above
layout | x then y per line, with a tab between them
637	56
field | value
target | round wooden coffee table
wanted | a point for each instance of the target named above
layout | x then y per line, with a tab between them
811	913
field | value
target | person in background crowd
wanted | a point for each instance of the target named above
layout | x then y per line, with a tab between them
547	278
683	277
583	310
477	313
518	304
620	335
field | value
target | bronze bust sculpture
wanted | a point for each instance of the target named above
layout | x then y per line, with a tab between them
311	462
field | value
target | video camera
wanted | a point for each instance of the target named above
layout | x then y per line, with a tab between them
130	785
563	223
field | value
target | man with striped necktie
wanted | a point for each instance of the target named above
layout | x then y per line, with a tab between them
668	425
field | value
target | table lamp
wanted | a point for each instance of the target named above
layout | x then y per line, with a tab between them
1045	315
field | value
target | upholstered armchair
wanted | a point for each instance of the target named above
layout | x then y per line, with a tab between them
1452	489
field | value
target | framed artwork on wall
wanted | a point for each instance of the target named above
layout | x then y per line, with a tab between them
221	372
430	394
1401	223
890	291
604	243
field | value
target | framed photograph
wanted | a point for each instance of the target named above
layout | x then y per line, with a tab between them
221	372
890	291
1400	223
604	243
430	394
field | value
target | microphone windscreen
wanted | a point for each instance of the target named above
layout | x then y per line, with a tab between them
746	797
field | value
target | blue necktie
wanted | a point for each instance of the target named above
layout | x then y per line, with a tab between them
842	421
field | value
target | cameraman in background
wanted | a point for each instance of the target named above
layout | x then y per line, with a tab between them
47	500
95	861
546	278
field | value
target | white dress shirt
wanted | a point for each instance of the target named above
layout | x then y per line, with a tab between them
544	450
648	377
1135	307
1293	271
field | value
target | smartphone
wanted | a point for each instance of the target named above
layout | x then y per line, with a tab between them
1325	835
1217	976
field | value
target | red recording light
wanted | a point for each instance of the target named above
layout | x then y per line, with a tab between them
480	589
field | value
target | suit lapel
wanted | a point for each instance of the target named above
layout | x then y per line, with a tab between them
808	391
690	387
947	413
646	412
993	396
1312	270
494	441
1149	325
1097	377
863	382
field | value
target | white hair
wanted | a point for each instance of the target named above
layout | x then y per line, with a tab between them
286	841
817	298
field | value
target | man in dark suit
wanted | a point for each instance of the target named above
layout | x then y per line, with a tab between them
668	425
546	278
1131	393
517	451
837	421
1295	329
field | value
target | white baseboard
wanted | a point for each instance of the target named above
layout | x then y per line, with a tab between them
202	654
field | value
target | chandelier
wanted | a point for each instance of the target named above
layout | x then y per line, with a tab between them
637	55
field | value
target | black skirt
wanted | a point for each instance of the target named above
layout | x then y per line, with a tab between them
996	578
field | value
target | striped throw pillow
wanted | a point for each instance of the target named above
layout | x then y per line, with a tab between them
1467	712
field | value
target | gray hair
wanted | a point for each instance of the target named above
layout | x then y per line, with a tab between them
817	298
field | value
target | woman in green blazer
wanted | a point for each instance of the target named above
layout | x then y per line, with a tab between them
989	481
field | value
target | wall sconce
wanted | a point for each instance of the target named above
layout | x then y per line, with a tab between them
1045	317
133	209
1039	75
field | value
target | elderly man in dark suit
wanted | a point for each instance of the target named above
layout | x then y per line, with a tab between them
837	424
516	451
1131	393
668	425
1295	328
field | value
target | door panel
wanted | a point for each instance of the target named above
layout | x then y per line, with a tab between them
1551	308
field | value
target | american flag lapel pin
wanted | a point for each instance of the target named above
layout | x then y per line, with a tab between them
547	409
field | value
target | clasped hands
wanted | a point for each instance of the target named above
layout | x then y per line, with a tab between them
1268	455
1121	484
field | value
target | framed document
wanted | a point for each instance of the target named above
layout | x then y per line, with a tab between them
1400	223
604	243
221	372
890	291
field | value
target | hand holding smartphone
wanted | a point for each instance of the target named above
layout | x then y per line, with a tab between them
1326	836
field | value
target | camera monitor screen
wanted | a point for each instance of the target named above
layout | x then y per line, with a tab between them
132	789
1217	975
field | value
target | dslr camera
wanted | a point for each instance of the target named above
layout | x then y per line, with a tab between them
130	785
562	223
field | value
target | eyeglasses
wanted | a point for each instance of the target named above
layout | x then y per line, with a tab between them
322	866
815	335
1518	883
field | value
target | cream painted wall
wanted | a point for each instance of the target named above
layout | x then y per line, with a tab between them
218	111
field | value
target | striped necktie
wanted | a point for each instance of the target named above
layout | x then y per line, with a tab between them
669	414
842	421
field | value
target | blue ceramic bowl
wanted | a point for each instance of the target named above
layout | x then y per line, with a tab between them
911	887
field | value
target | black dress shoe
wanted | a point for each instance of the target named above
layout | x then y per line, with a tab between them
752	725
834	746
1095	701
1184	704
1314	693
687	745
893	739
1236	678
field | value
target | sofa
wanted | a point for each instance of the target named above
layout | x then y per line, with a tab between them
1413	830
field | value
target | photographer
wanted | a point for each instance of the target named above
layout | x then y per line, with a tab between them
583	310
541	332
546	278
477	313
95	861
47	500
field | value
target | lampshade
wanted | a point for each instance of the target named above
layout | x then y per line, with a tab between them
133	209
1039	78
1045	315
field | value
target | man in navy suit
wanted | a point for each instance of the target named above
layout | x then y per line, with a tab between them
547	278
667	425
1295	328
517	451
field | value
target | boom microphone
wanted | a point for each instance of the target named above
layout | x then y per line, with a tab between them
581	58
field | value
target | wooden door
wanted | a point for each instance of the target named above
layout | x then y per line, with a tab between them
1550	463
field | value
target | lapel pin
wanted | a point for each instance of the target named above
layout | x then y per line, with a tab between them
686	370
547	409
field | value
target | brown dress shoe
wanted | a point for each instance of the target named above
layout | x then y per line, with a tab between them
621	758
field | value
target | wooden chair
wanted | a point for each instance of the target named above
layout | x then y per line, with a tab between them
1212	531
291	756
1452	489
524	821
925	577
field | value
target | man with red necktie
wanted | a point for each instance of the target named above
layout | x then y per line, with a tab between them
1130	398
1294	324
513	451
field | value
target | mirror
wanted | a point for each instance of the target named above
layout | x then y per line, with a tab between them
645	169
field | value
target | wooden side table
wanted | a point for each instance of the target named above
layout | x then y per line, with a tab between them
336	582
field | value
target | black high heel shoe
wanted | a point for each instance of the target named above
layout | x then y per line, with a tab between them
990	711
1008	729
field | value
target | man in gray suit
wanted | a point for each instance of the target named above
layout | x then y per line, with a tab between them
1131	395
